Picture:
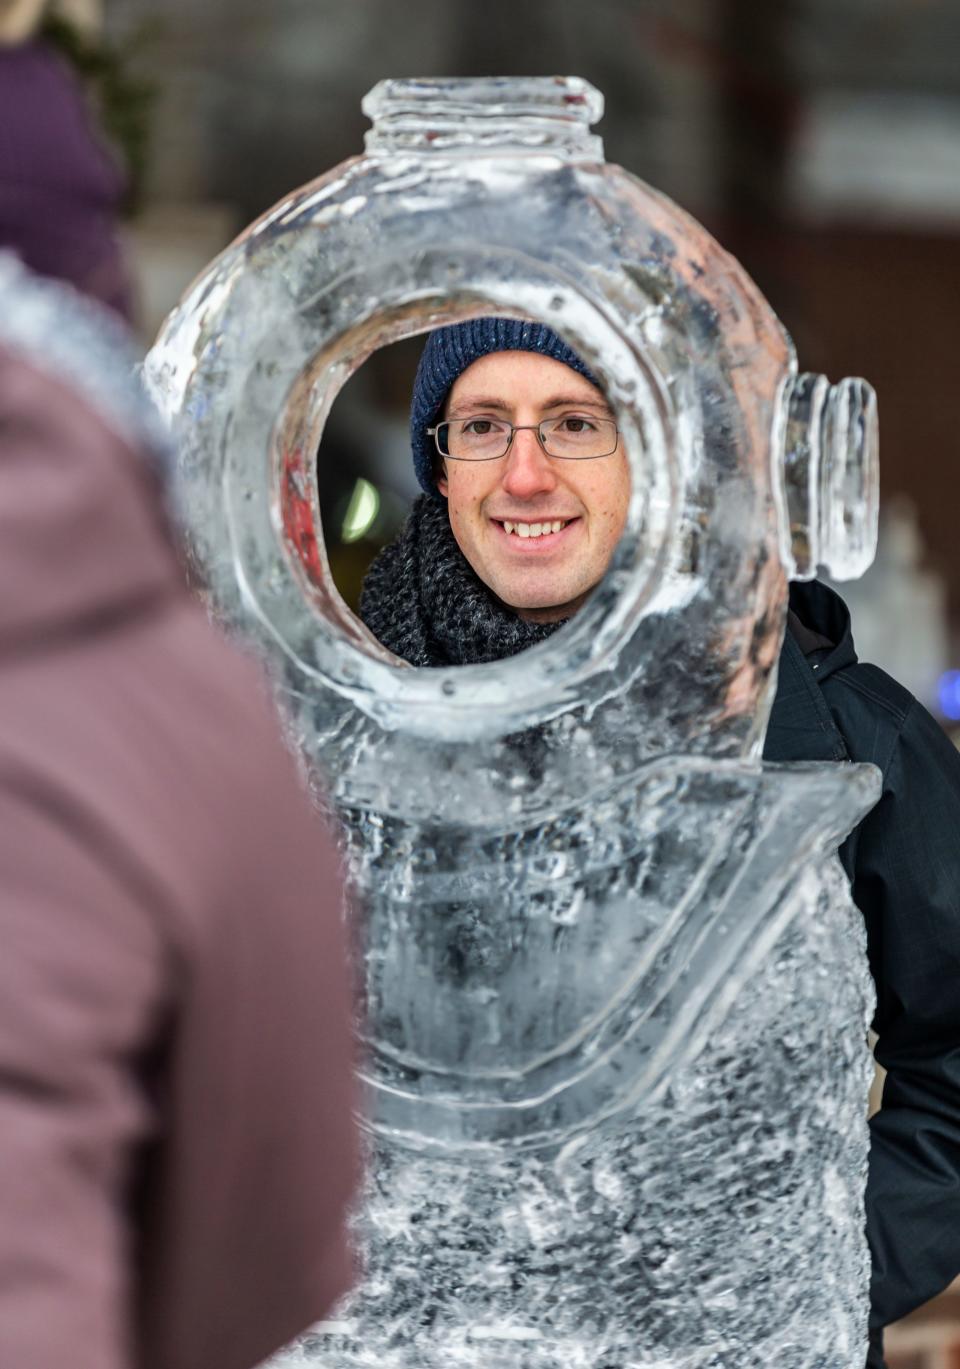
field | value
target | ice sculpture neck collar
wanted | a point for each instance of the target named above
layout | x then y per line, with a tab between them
424	603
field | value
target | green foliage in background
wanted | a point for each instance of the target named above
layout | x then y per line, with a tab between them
123	101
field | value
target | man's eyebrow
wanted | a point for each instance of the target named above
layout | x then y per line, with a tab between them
471	404
577	402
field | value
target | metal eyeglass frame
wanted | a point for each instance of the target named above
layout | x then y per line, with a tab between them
521	428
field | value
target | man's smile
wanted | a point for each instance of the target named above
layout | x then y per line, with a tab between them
528	536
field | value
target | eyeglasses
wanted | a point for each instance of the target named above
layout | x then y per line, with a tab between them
572	437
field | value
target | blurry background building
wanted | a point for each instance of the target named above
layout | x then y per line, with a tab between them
819	140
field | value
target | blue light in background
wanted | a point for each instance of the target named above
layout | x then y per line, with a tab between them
948	690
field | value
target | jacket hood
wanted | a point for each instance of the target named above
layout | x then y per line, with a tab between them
822	611
83	527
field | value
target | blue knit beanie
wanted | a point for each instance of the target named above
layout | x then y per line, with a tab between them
448	353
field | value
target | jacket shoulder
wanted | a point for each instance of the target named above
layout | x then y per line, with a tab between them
829	704
877	689
870	710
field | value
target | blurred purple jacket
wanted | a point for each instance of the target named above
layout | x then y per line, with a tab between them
176	1139
60	187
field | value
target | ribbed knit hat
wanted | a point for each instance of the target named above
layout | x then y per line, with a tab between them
448	353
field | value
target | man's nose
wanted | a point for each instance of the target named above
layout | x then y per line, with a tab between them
529	471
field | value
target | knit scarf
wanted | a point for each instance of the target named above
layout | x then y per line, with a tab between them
422	600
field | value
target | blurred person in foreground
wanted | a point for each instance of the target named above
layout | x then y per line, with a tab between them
176	1140
62	184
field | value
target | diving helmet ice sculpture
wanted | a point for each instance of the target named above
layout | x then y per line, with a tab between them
615	990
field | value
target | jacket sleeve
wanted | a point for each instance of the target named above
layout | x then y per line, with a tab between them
80	986
244	1218
907	883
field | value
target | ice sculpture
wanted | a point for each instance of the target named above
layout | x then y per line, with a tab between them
615	989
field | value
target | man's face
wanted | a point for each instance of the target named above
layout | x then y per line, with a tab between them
547	577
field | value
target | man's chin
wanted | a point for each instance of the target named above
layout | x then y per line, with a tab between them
542	607
534	597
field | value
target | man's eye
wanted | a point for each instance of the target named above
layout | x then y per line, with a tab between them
479	427
576	423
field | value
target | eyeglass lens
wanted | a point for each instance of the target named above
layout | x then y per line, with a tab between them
572	436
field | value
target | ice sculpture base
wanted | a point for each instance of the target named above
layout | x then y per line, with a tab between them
717	1224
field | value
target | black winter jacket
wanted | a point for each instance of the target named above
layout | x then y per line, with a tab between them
903	861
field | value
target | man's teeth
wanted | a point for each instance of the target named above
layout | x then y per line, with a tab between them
534	529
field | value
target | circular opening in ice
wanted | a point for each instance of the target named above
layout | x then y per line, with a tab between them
327	640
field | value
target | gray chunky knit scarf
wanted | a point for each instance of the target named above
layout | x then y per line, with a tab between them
422	600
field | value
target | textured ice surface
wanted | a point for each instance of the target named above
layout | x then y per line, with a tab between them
706	1213
615	991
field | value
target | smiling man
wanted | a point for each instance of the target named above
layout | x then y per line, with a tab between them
526	486
536	480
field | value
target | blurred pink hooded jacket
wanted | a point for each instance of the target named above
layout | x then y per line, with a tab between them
176	1143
